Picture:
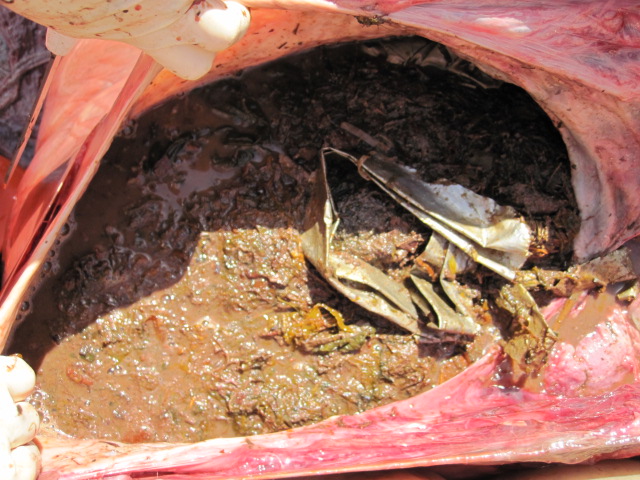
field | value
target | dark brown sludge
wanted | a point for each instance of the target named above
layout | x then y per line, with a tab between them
23	63
181	300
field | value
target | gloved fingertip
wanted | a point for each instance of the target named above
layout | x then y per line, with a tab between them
27	462
59	44
23	425
226	26
186	61
7	465
18	376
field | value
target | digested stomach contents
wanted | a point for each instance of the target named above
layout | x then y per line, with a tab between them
179	305
225	352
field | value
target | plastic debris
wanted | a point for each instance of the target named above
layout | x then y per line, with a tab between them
359	281
491	234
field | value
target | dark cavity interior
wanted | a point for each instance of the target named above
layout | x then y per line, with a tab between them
178	305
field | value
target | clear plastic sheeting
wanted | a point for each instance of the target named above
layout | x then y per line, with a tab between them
448	319
359	281
491	234
374	290
443	261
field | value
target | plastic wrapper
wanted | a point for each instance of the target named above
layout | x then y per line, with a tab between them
576	59
489	233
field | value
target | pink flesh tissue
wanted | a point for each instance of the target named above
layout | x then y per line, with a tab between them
578	60
467	420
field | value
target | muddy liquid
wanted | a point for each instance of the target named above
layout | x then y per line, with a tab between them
179	306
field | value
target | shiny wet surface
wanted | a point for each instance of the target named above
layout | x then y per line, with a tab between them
181	274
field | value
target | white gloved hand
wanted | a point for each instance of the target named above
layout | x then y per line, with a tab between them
19	421
182	35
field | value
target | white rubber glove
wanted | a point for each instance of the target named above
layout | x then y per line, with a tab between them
19	421
182	35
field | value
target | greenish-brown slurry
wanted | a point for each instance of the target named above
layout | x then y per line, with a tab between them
236	347
182	303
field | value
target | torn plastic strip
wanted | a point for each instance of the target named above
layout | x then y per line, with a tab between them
443	260
456	262
448	319
431	260
365	285
489	233
532	338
